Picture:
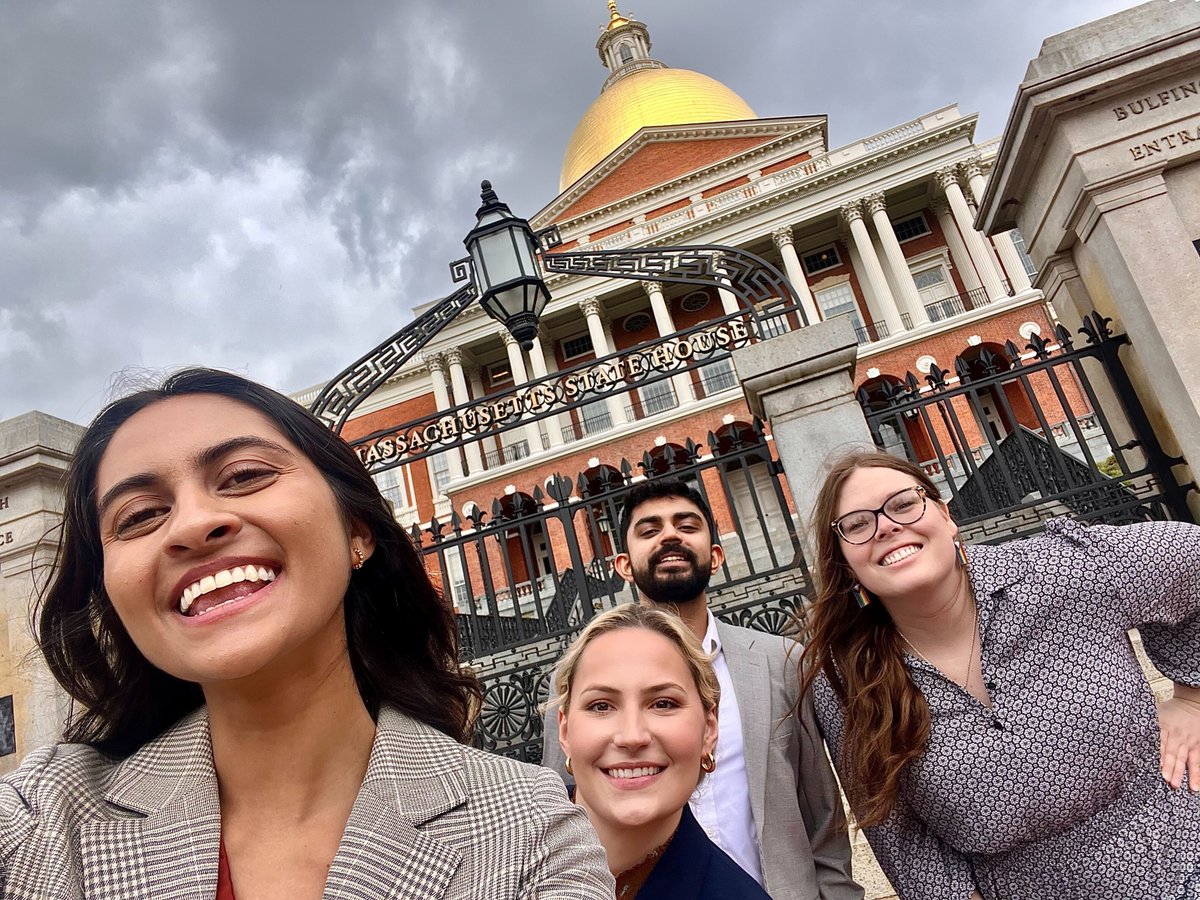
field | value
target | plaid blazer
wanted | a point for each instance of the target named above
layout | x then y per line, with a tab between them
433	819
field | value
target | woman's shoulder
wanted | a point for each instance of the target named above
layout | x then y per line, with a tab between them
480	772
64	775
695	867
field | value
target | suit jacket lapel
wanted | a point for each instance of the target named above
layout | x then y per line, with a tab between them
752	684
413	776
167	847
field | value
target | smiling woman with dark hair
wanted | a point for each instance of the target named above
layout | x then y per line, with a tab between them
269	696
992	725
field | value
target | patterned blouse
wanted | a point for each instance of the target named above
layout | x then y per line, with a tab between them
1055	790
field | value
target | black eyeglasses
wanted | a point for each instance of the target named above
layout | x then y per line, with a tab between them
903	507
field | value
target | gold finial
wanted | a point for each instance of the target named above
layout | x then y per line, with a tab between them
615	19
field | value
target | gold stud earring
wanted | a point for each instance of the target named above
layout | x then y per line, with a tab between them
360	556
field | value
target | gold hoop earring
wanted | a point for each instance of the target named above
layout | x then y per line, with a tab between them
361	557
708	762
570	771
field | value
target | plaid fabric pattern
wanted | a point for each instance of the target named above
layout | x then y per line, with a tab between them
433	819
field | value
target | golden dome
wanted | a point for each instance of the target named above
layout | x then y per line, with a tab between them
645	98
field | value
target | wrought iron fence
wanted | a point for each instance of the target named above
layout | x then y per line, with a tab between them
1016	435
527	574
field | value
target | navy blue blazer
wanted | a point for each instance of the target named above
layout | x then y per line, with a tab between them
694	868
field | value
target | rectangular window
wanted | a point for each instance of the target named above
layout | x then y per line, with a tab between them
499	373
439	467
912	227
837	301
718	376
391	485
657	397
595	417
1018	240
820	260
573	348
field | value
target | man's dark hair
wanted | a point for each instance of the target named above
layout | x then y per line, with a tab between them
657	489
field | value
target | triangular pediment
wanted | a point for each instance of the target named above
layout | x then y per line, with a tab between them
656	158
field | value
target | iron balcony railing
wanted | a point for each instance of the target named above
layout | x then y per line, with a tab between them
510	453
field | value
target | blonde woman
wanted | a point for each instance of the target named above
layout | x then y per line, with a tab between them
637	714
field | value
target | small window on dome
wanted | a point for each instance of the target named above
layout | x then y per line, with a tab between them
694	302
635	323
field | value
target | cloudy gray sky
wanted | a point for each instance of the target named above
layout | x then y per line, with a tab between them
271	185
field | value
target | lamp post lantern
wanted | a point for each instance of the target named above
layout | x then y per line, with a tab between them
503	273
503	252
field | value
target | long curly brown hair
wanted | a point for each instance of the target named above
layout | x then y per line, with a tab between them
860	653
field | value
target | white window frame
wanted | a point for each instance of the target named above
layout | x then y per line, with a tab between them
590	351
836	255
919	214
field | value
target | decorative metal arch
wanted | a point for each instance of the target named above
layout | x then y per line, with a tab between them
762	289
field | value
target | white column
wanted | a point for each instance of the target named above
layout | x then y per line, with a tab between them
973	171
729	301
1013	266
516	362
909	297
590	307
458	382
852	215
958	250
666	328
537	356
976	247
441	396
491	442
785	242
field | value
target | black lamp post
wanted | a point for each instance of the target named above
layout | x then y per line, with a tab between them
503	273
503	252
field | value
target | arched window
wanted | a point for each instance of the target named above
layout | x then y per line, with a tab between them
626	54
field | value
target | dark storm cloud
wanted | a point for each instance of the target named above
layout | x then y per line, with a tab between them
270	186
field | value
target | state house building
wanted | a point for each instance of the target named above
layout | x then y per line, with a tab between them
879	230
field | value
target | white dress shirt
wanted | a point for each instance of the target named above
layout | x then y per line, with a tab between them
721	802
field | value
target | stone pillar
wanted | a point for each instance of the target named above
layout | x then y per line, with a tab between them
802	382
948	181
590	306
958	250
972	170
1013	267
34	452
458	381
852	216
908	297
785	241
666	328
441	396
537	356
516	362
729	301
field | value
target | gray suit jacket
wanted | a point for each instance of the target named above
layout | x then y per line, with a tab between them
433	819
803	843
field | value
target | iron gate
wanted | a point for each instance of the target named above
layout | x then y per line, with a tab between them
1017	436
527	574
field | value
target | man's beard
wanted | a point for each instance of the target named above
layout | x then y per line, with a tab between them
676	587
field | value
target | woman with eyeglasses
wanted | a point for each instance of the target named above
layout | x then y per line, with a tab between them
991	724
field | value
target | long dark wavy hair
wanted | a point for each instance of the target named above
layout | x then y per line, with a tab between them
861	654
401	635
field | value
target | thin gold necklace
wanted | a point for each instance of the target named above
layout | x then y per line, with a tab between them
965	684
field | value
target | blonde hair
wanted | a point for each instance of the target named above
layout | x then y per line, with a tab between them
633	615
